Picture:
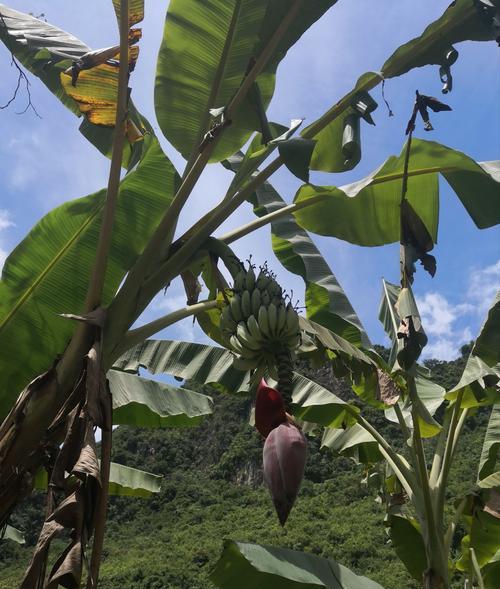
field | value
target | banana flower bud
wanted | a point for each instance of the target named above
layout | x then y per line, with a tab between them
285	450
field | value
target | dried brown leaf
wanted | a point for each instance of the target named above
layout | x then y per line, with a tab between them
388	392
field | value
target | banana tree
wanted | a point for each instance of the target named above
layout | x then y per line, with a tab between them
71	342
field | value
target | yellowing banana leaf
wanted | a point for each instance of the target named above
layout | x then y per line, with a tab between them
123	481
367	212
135	11
207	49
47	52
57	257
461	21
148	403
251	566
326	302
354	442
96	92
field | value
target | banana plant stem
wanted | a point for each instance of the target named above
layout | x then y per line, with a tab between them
406	433
122	310
436	557
216	85
440	448
99	270
102	505
403	473
451	441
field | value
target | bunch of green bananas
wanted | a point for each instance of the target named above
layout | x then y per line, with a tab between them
257	322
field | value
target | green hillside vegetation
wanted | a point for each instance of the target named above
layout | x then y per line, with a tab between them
212	489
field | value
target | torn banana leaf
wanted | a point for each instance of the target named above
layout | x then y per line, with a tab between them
367	212
186	360
48	52
463	20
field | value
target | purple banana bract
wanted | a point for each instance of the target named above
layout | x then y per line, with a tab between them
284	454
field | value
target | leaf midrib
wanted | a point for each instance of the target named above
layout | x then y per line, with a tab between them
218	78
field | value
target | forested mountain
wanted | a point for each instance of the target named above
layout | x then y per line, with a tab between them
212	489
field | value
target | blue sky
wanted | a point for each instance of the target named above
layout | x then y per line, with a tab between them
44	162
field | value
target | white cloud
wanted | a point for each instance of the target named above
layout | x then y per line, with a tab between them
5	220
483	286
440	317
5	223
438	314
3	257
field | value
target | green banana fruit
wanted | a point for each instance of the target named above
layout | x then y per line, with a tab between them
246	304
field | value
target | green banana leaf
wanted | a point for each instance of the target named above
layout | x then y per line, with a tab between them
430	397
477	384
389	317
147	403
130	482
483	536
487	344
251	566
340	346
489	452
491	572
315	404
48	272
408	544
326	302
336	149
461	21
482	371
202	363
212	365
123	481
11	533
367	212
206	51
244	165
354	442
47	51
